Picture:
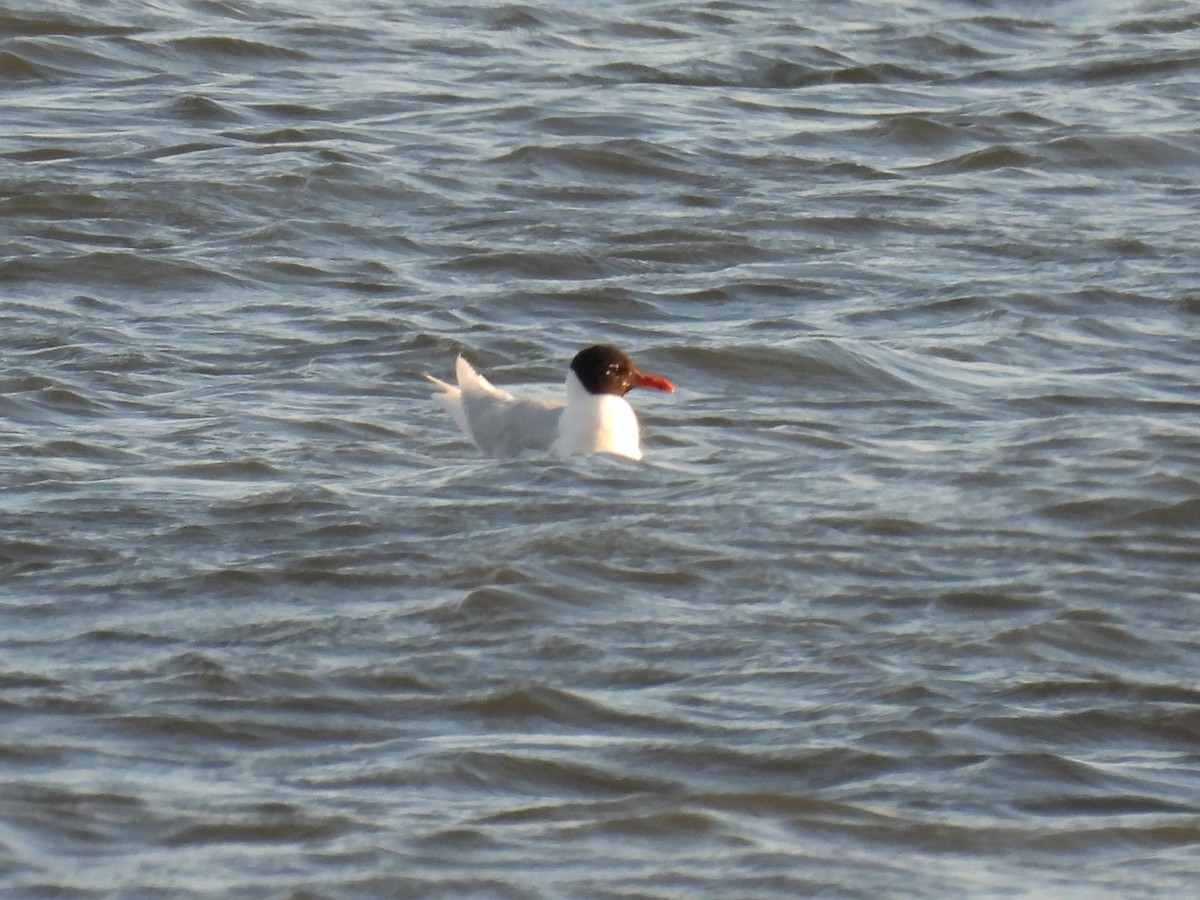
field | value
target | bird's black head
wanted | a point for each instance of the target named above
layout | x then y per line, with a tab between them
606	370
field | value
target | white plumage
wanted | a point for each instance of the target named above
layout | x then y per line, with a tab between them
598	420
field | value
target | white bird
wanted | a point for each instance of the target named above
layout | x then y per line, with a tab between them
595	419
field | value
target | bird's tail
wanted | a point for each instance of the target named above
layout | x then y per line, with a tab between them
449	398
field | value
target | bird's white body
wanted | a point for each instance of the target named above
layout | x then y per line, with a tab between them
499	424
596	423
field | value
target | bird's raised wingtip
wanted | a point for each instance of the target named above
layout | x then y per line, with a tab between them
463	370
472	382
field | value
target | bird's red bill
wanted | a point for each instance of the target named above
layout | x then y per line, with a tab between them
654	382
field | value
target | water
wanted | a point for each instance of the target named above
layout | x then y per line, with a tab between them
901	602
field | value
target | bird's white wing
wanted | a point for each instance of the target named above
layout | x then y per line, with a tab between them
495	421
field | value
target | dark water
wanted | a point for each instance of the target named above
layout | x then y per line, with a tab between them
902	601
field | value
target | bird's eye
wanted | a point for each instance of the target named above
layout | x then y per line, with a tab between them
612	369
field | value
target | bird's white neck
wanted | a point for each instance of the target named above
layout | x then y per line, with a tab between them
596	423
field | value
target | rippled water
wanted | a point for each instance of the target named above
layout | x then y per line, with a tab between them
901	602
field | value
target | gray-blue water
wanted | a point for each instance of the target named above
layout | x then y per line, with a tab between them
902	601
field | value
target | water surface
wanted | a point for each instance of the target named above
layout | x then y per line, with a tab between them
900	603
